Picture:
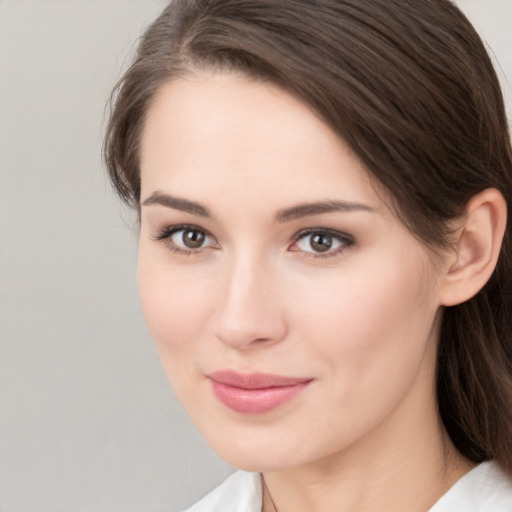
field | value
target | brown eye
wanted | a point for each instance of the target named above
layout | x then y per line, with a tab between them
193	238
187	238
321	242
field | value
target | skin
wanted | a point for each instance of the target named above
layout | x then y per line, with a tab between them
361	319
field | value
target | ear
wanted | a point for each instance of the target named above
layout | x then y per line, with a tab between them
477	247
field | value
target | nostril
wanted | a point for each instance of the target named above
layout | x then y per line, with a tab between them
261	341
252	335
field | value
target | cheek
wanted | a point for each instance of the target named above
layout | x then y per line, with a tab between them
175	305
367	334
367	319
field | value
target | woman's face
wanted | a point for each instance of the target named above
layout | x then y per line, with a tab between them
295	316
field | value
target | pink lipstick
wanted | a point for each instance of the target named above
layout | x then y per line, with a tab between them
254	393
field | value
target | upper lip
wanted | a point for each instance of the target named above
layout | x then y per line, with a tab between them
254	380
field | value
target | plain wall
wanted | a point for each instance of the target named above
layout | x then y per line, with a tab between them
87	419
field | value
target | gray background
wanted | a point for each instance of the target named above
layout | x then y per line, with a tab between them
87	419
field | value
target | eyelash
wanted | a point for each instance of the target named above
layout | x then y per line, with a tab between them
166	234
345	241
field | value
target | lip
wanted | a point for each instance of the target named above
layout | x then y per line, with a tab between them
255	393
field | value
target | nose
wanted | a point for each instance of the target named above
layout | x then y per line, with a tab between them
250	313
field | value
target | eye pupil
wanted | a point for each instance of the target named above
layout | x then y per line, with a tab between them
321	243
193	239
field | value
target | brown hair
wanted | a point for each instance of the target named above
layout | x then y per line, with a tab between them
410	87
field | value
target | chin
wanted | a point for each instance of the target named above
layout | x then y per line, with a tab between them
255	450
253	462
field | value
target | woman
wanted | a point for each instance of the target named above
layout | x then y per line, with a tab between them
324	248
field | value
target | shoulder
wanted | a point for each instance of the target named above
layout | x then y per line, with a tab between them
485	488
241	492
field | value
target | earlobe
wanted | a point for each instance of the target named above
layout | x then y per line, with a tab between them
477	247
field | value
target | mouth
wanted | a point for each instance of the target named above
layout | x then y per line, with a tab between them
255	393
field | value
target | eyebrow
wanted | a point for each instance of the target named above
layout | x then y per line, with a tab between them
310	209
177	203
284	215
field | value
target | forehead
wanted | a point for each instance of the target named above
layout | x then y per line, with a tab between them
227	134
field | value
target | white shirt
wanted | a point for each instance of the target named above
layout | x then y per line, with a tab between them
484	489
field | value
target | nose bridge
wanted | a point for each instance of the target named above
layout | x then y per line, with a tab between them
249	310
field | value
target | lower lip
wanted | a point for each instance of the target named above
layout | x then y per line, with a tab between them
255	401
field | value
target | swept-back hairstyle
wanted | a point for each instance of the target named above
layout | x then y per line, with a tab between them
409	86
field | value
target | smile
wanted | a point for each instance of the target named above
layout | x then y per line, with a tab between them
254	393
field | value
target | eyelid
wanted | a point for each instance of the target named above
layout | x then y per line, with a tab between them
346	242
329	231
165	235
